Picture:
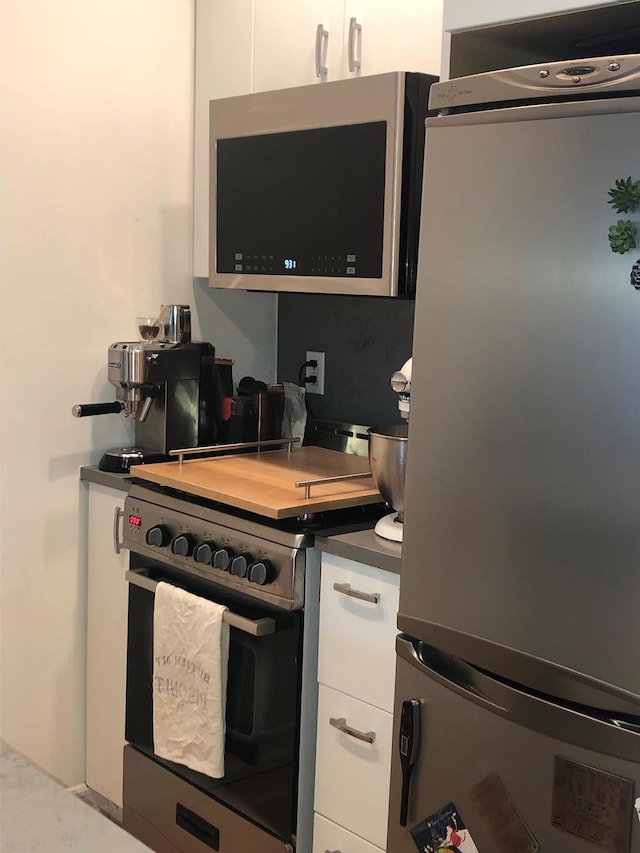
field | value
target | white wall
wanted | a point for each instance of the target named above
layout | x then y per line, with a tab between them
95	227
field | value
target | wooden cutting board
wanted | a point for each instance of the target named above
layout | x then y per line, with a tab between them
264	483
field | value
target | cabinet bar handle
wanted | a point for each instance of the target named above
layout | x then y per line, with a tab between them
341	724
345	589
355	28
117	515
322	41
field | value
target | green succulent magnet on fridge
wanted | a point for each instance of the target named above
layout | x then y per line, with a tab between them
624	197
622	236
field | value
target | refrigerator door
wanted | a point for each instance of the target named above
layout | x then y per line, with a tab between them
494	767
522	493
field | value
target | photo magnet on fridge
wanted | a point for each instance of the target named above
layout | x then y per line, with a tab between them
442	831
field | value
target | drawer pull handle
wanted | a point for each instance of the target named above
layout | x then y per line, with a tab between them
345	589
333	851
341	724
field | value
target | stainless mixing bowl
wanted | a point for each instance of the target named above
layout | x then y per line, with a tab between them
388	461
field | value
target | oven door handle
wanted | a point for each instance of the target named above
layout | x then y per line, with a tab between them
255	627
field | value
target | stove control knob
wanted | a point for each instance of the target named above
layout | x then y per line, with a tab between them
204	552
221	559
239	565
261	572
183	544
158	535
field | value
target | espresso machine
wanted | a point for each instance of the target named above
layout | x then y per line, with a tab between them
168	388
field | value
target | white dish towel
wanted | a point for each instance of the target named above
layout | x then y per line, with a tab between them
190	662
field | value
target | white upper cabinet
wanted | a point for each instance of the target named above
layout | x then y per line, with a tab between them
360	37
402	36
293	40
223	68
469	14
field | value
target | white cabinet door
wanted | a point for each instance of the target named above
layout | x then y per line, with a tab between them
329	836
352	775
224	43
284	48
357	636
106	646
402	36
467	14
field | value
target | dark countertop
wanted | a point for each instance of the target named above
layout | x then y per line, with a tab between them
39	814
92	474
363	546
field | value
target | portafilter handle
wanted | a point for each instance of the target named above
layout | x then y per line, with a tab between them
83	410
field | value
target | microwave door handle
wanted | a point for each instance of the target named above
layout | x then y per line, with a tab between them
255	627
322	44
355	29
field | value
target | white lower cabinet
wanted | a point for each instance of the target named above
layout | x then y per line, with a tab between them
352	774
106	646
356	672
358	612
328	837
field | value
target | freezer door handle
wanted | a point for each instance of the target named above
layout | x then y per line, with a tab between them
409	746
590	728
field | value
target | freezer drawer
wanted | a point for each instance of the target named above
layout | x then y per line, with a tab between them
498	759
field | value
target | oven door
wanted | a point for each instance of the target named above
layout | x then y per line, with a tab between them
259	790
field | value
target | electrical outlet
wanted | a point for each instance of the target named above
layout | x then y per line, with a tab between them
316	387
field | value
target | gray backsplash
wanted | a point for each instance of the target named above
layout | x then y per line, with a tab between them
365	339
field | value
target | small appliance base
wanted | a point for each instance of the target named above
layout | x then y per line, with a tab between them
120	460
390	527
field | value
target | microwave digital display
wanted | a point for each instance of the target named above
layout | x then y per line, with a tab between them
307	202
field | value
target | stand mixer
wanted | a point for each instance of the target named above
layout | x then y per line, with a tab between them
388	457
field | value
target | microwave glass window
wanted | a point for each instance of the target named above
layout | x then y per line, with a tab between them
308	202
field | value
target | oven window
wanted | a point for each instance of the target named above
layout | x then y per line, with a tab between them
262	718
307	202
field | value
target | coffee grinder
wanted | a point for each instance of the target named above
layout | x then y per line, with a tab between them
168	387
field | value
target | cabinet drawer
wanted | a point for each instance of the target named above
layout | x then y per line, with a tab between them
352	776
328	837
357	637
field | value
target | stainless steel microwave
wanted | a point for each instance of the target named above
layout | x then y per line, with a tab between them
317	189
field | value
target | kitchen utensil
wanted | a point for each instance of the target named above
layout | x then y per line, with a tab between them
388	460
177	319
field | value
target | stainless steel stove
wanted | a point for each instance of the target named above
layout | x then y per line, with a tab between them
267	574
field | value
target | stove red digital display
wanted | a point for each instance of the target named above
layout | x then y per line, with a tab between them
135	520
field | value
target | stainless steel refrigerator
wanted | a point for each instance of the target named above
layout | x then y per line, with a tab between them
517	713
